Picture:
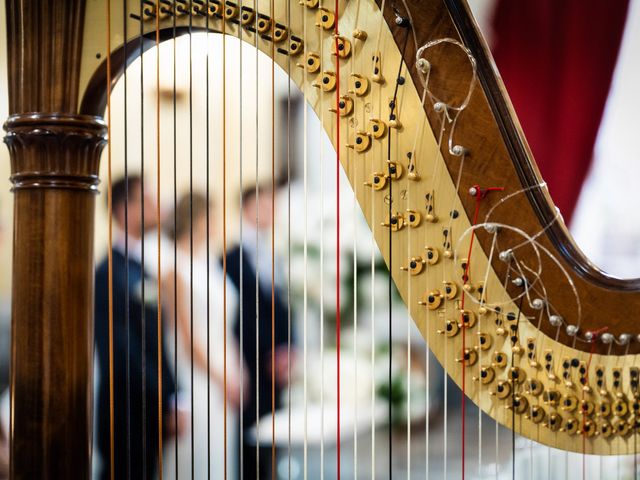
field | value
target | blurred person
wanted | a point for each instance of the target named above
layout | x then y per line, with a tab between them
200	341
248	270
135	381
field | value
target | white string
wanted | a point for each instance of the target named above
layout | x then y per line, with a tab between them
321	136
354	211
482	303
305	285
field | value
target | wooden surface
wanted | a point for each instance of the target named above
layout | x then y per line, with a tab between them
54	166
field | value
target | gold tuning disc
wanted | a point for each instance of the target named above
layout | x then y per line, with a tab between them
325	19
341	47
358	85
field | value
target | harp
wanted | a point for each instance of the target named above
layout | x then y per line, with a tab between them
532	332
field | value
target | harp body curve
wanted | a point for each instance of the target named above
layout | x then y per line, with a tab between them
517	364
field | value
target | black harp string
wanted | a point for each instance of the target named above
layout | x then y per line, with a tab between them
191	234
208	246
158	221
273	196
126	252
241	282
224	235
143	320
175	244
110	247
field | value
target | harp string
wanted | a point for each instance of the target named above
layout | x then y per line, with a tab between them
175	244
305	273
159	239
143	321
273	233
224	236
110	246
338	166
191	339
208	248
289	253
257	218
354	206
322	249
126	249
241	247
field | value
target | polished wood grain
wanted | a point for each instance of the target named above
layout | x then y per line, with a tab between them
500	156
54	170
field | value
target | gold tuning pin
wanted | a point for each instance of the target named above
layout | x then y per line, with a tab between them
312	63
487	374
396	222
518	403
310	3
569	403
450	329
503	390
327	82
536	414
395	123
264	24
534	387
361	143
517	349
431	217
340	47
413	218
395	170
469	357
247	15
377	128
484	341
517	375
432	255
378	181
345	106
377	69
450	290
412	175
499	360
231	12
432	299
446	242
360	35
554	423
325	19
295	45
604	409
468	319
358	85
414	266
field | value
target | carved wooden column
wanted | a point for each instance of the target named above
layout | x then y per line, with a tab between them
54	170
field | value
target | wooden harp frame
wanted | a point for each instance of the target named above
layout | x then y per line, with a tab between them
55	135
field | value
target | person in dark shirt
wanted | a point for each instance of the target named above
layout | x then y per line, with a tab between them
250	271
136	361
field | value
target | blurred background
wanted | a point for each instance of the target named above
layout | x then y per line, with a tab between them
572	72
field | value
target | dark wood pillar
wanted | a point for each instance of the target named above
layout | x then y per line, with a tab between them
54	170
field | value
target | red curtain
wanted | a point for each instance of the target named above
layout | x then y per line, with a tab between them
557	59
